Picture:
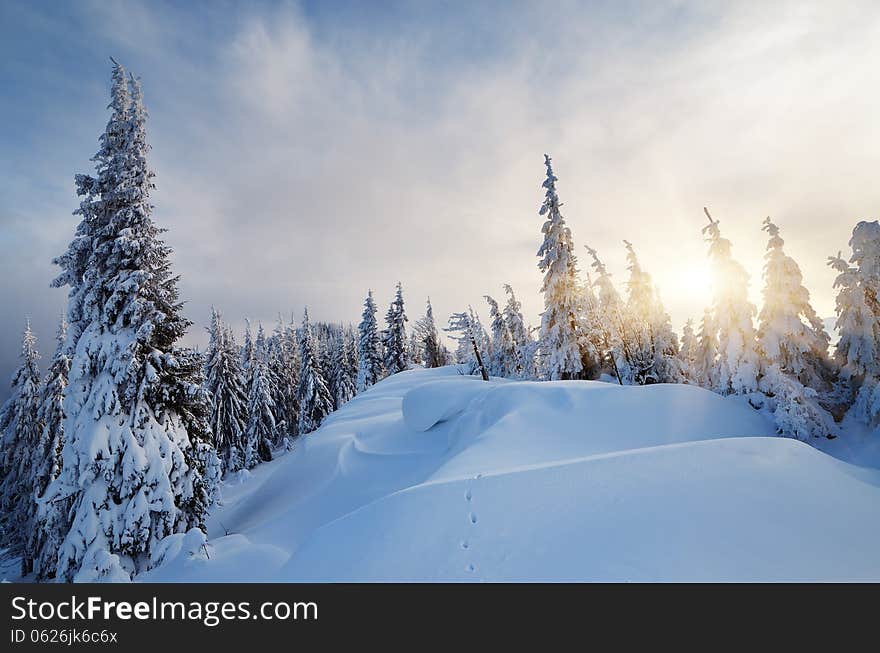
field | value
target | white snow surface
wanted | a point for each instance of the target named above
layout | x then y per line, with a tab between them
434	476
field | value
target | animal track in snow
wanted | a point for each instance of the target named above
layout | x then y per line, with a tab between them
464	544
468	495
473	518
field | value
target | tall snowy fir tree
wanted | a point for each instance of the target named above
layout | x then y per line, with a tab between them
560	354
344	372
425	332
858	321
523	343
653	345
132	470
227	395
315	401
471	345
705	367
247	347
394	338
260	427
20	429
794	345
612	335
790	332
738	361
639	314
284	370
503	357
48	520
688	353
370	366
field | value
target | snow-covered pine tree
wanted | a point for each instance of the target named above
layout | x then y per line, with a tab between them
688	353
739	363
613	337
469	341
425	332
503	353
247	347
705	368
226	387
20	429
394	335
858	321
260	427
49	519
415	351
653	346
560	354
315	401
790	333
344	380
370	366
590	334
794	345
130	467
638	314
284	369
524	344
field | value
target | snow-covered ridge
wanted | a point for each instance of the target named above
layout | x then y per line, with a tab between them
430	475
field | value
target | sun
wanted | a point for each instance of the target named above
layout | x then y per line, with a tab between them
689	281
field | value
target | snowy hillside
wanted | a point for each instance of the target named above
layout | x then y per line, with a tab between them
430	475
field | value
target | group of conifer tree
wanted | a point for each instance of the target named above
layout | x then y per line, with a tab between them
123	442
778	357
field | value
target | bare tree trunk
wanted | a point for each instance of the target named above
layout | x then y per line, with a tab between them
483	371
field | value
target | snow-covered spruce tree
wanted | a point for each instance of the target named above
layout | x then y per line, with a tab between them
284	370
560	354
524	365
345	374
858	322
469	336
394	335
48	520
370	366
688	353
638	314
425	331
20	429
261	407
790	333
226	388
653	346
705	368
315	401
739	363
613	337
503	354
131	468
794	345
247	347
590	333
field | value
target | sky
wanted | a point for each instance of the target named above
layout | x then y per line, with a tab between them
306	152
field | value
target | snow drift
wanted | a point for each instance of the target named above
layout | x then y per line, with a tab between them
435	476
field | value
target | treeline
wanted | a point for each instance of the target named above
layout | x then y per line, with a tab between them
781	361
269	389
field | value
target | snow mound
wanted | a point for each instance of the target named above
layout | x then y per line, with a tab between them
431	403
430	475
